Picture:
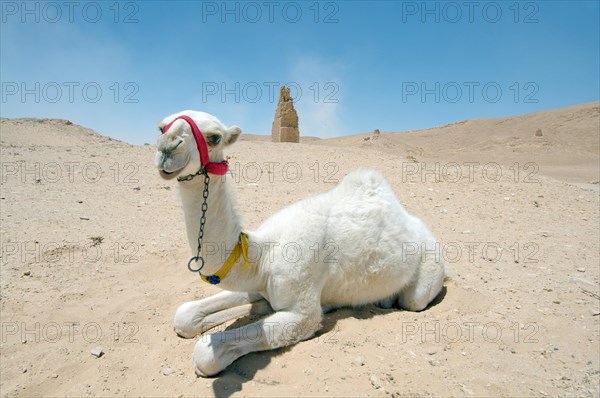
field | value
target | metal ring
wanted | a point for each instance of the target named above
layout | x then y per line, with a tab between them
196	258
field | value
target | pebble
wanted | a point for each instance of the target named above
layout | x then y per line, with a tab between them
54	376
359	361
465	389
580	269
167	371
136	188
375	382
97	352
574	279
27	273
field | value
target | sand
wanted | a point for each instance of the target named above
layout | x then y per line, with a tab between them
94	255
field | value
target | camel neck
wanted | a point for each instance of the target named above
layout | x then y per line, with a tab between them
222	227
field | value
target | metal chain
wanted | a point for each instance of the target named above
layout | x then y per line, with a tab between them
198	256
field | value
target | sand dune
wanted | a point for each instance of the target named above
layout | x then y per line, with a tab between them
563	142
94	254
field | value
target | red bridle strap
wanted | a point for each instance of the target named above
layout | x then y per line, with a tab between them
219	168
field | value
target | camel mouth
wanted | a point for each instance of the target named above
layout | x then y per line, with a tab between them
169	175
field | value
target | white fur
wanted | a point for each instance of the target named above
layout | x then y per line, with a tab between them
352	245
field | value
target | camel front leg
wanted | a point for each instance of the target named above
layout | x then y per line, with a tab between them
194	317
214	352
260	307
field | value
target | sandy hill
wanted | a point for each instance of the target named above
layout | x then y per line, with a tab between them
94	254
564	143
267	138
48	132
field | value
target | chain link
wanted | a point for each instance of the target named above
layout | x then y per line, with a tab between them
198	257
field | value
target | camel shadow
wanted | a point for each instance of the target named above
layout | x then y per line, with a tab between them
244	369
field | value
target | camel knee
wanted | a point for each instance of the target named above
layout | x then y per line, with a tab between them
295	328
416	300
418	295
205	358
188	320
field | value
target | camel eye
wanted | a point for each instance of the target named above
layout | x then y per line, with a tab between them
213	139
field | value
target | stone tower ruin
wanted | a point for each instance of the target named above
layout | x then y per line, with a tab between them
285	124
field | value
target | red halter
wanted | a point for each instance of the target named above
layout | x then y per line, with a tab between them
219	168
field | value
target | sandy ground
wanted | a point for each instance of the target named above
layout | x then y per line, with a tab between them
94	254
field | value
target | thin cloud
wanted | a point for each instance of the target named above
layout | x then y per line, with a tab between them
320	88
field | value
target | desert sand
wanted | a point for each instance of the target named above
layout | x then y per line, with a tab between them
94	255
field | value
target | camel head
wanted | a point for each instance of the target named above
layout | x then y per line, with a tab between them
177	150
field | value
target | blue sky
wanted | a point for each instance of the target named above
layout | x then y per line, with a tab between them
353	66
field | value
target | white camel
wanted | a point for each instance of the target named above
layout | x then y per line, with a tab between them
350	246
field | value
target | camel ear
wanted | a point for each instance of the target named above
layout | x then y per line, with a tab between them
232	134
